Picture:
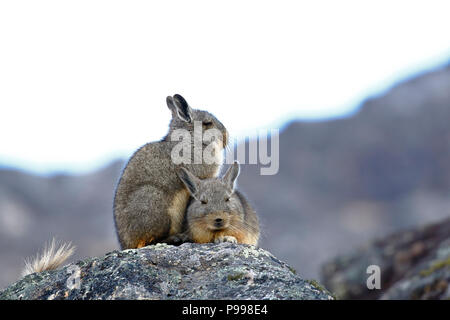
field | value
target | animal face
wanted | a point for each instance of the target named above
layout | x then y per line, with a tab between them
214	206
184	117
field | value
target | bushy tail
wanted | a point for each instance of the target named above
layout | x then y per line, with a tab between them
53	256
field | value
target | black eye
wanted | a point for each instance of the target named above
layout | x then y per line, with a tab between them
207	123
204	201
227	199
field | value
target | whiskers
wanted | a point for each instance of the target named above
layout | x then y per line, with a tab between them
243	225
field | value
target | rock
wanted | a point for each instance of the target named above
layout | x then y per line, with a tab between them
189	271
414	264
429	280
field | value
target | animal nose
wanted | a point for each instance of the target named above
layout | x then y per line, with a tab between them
218	222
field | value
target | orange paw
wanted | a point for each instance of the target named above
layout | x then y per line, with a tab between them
142	243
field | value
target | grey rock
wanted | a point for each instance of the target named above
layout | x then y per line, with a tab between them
414	264
189	271
429	280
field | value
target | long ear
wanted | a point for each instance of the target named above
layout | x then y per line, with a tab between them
231	175
179	107
190	181
171	106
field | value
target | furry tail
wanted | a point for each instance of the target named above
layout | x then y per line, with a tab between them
53	256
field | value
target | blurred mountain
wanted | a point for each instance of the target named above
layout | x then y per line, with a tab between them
345	181
340	183
34	209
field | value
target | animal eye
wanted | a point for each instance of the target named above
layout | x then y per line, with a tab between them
227	199
207	123
204	201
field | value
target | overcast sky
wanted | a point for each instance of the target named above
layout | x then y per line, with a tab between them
83	82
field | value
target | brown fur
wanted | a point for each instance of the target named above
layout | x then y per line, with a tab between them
201	231
150	199
215	199
142	243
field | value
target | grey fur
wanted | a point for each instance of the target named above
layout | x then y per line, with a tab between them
216	199
150	200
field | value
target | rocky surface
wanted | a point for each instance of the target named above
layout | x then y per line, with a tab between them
429	280
415	264
189	271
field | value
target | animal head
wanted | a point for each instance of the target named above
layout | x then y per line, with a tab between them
184	117
213	207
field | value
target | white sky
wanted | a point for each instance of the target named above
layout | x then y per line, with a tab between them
82	82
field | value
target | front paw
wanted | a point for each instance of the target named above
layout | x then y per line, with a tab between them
177	239
225	239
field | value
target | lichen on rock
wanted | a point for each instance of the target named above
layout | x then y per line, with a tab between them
189	271
414	264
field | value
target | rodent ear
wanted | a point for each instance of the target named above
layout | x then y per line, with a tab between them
189	180
231	175
171	105
180	107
